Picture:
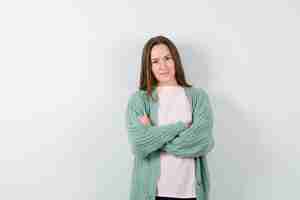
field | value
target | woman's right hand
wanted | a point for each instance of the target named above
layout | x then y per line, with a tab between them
144	120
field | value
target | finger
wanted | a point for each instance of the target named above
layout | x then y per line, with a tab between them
141	119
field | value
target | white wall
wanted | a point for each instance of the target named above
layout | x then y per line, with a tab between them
68	67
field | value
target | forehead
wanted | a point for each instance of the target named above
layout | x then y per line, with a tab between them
160	50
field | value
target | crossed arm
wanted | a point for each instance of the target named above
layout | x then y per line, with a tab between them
175	138
145	139
197	140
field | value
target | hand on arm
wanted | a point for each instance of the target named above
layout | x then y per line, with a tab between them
197	140
145	120
144	139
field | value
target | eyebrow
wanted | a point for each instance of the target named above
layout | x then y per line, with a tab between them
163	56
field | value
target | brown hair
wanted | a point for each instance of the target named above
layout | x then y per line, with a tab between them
147	79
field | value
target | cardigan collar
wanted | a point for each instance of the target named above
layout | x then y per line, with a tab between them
186	90
154	106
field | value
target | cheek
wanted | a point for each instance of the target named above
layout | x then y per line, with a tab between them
154	71
172	68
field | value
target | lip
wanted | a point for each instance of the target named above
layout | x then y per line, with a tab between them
164	73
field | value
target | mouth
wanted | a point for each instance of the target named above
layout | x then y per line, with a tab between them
164	74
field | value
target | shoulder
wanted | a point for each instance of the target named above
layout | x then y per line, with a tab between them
198	92
136	97
137	94
201	99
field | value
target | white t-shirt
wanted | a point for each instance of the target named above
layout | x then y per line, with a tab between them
177	174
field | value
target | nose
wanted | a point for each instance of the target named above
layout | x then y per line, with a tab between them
162	63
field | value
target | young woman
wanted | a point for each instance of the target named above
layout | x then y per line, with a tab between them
171	132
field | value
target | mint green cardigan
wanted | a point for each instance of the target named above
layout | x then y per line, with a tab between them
146	142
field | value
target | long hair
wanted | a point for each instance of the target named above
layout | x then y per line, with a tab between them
147	78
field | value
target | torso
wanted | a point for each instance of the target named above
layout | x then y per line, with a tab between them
177	174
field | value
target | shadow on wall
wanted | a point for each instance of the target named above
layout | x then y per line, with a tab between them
238	158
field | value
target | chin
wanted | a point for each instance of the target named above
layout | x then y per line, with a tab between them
164	80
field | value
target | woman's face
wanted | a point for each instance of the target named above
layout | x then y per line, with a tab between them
163	65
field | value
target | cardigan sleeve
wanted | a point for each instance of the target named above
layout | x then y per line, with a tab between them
144	139
196	140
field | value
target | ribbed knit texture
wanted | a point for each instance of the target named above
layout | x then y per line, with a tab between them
146	142
196	140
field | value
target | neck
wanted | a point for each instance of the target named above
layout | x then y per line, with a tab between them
167	84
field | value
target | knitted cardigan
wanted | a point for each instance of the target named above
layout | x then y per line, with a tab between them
146	141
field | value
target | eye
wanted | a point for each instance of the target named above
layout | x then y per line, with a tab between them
168	58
